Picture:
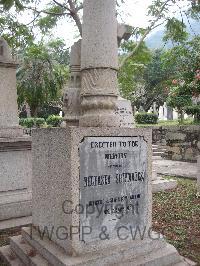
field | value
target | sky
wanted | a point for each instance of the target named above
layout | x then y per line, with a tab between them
134	13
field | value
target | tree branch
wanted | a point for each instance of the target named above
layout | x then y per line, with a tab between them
149	29
75	16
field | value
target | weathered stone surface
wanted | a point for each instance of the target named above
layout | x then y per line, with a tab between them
31	249
99	44
124	32
125	113
5	52
161	184
175	168
113	178
175	136
15	149
59	157
8	99
184	138
189	154
99	64
71	96
198	177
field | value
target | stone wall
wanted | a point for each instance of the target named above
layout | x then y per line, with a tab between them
182	142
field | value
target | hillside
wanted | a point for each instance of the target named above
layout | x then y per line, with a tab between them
155	40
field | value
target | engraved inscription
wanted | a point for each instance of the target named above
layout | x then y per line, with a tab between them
113	184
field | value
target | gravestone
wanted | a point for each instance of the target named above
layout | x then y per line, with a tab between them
92	184
71	98
125	113
15	148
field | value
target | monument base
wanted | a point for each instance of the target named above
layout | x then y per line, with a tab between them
162	184
11	132
15	177
30	249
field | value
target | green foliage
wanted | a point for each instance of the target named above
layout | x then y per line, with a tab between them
27	122
192	110
54	121
7	4
15	33
131	73
176	31
40	76
185	82
146	118
145	83
49	109
32	122
39	122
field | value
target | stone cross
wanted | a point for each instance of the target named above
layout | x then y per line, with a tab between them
99	64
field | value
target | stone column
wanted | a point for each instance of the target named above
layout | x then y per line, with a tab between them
71	99
99	64
9	121
15	148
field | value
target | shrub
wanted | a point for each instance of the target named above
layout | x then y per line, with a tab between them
54	121
27	122
39	122
31	122
146	118
193	110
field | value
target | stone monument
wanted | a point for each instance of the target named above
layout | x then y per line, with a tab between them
161	184
92	184
71	98
125	113
15	148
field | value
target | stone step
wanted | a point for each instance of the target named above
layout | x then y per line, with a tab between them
157	158
10	257
158	153
47	248
167	256
26	253
186	262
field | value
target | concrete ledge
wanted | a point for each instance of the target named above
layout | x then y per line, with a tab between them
17	222
163	184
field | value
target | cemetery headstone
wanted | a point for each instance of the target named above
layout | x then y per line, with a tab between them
15	148
92	184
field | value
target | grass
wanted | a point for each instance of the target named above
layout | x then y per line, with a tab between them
176	213
188	121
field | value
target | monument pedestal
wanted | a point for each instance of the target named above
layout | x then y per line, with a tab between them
15	149
30	249
15	175
91	201
161	184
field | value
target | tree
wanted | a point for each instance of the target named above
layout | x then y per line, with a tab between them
16	34
42	74
46	17
130	74
185	82
144	79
